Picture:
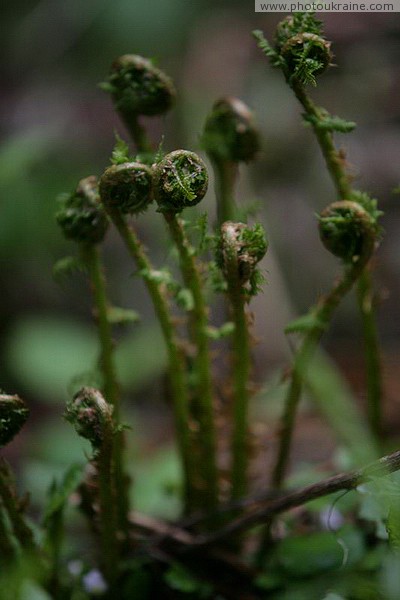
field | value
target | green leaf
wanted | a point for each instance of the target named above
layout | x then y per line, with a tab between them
304	324
379	504
256	282
59	493
137	581
122	316
330	123
335	401
141	357
390	577
369	204
184	299
20	152
67	266
120	154
393	526
269	581
45	352
159	155
181	580
217	333
32	591
106	87
308	555
275	58
157	484
160	276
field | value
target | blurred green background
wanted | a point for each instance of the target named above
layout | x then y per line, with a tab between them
57	126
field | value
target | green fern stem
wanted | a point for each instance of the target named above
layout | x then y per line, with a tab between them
109	505
334	161
91	257
202	363
137	133
241	373
225	173
8	548
177	373
322	314
342	182
372	356
92	417
11	503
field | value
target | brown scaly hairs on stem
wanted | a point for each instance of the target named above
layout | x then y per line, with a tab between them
91	416
239	250
17	534
13	415
81	215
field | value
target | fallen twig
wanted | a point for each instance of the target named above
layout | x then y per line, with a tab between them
345	481
266	507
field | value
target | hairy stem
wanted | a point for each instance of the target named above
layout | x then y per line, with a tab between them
137	133
372	355
336	165
177	373
108	495
322	313
107	365
242	365
334	161
8	550
101	304
204	392
11	504
240	375
225	173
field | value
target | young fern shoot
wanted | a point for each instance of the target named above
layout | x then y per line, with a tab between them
139	88
180	181
82	219
15	533
240	249
92	418
230	136
126	189
348	231
303	53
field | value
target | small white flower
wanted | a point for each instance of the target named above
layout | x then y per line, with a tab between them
331	519
75	567
94	582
